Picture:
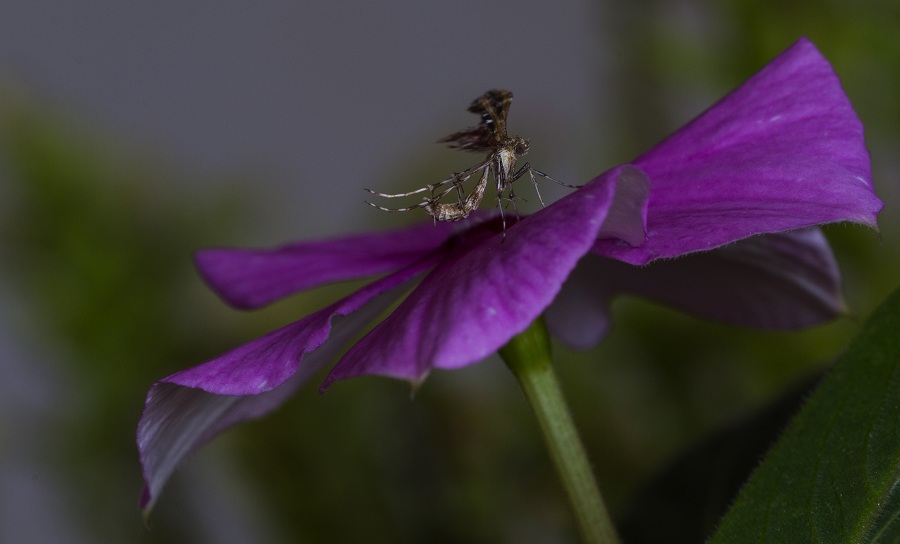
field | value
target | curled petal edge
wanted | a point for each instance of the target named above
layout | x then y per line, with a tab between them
778	281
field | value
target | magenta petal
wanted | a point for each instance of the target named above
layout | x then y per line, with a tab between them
626	221
773	281
783	151
179	420
249	278
486	291
187	409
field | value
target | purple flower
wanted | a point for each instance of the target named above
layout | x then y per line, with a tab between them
782	153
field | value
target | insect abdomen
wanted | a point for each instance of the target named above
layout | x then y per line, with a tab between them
447	212
459	210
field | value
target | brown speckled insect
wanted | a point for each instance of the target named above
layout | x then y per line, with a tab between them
490	137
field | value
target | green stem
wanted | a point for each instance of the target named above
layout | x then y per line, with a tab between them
528	356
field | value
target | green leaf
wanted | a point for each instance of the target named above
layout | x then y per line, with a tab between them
833	475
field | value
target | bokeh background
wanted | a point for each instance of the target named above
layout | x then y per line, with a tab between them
132	134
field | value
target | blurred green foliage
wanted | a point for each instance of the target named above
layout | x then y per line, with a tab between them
103	254
98	240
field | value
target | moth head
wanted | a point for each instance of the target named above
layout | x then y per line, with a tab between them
521	145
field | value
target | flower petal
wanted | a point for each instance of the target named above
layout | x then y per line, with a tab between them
783	151
250	278
488	289
179	420
626	221
187	409
773	281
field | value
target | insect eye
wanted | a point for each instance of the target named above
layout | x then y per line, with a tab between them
521	147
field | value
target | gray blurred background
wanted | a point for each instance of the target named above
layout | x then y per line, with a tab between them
132	134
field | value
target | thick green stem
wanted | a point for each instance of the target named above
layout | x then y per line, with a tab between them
528	356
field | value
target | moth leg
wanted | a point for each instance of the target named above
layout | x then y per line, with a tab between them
471	170
455	178
534	183
501	182
502	215
433	187
531	173
545	176
422	204
425	202
512	198
458	185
